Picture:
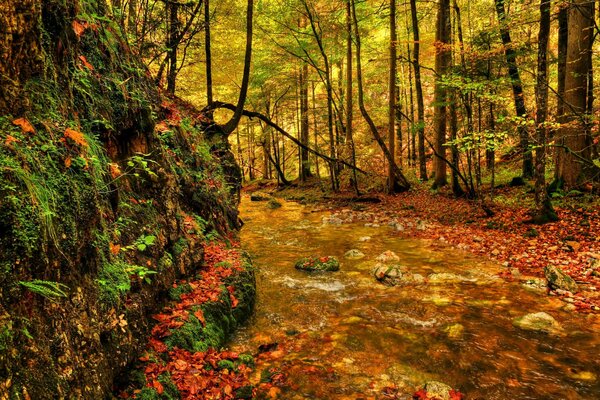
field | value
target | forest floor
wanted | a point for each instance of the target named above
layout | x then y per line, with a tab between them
508	237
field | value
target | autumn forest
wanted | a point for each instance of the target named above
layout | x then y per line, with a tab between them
299	199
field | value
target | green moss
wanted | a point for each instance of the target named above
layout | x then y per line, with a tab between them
246	359
113	281
180	246
165	263
245	392
226	364
6	336
176	292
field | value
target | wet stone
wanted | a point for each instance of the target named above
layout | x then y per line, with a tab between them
535	284
437	390
445	277
538	322
557	279
388	256
354	254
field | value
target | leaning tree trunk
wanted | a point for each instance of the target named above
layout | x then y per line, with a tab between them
442	64
574	150
517	88
239	109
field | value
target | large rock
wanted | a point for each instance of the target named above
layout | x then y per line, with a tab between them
557	279
315	263
538	322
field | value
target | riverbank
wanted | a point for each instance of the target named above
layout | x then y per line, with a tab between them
508	237
184	357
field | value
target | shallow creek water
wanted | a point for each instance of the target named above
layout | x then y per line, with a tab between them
343	335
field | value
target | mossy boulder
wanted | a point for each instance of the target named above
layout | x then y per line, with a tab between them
315	263
558	279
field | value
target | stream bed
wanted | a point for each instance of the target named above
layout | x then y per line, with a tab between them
343	335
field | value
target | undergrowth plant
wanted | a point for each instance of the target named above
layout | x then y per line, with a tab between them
48	289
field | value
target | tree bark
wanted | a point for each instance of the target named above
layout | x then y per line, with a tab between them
172	46
237	115
207	53
544	210
420	126
304	125
349	98
517	88
442	64
392	96
573	137
400	181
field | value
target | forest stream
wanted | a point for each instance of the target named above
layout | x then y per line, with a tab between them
344	335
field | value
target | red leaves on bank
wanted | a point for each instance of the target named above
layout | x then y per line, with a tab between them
197	375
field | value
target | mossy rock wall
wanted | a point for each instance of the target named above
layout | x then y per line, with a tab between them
107	194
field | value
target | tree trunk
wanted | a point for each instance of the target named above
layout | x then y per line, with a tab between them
235	119
392	96
419	92
400	181
173	44
442	64
132	18
349	102
574	149
207	52
544	210
304	123
517	88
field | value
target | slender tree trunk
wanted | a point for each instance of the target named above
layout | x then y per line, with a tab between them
132	18
401	183
349	99
419	92
517	88
563	34
207	52
315	130
240	153
544	210
304	123
456	188
442	64
235	119
392	96
173	44
329	89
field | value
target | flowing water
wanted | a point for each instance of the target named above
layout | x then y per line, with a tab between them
343	335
